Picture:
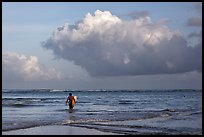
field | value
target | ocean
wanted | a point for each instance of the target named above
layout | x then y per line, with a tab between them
126	112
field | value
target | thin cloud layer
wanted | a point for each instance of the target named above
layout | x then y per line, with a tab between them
106	45
198	7
18	67
138	14
196	21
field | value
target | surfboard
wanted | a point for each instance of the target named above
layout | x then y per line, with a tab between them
73	103
75	97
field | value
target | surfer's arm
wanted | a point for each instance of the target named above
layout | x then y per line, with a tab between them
67	100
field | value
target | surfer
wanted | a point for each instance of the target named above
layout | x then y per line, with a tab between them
71	101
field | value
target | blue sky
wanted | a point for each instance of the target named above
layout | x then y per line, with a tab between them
27	25
39	20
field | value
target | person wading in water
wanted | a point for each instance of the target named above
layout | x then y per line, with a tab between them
71	100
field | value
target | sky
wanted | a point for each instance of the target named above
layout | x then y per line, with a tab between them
102	45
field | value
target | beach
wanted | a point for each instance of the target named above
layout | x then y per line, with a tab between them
56	130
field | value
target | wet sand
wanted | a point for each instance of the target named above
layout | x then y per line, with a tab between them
56	130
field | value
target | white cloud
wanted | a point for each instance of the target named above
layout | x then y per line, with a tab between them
105	45
17	67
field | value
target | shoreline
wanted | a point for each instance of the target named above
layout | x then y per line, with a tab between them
56	130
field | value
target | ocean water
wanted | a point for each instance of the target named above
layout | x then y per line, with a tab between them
140	112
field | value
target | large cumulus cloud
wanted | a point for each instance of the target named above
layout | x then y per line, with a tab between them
106	45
